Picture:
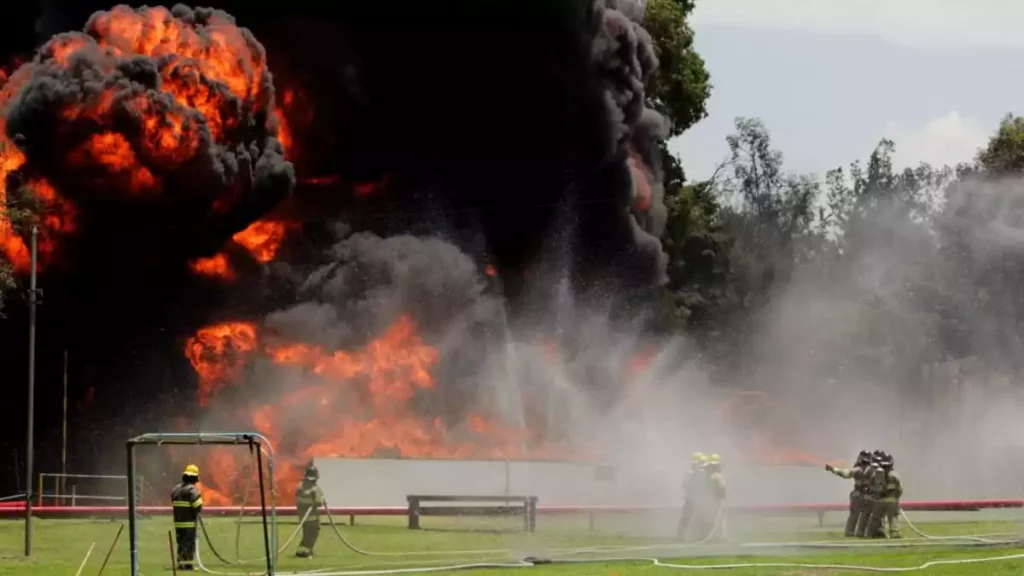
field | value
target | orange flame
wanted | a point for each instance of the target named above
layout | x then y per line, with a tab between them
13	247
217	354
216	266
641	361
263	238
642	195
204	73
360	401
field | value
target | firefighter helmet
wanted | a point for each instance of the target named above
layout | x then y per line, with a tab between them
714	459
192	470
699	458
311	474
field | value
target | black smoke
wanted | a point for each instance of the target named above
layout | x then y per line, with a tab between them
214	178
500	125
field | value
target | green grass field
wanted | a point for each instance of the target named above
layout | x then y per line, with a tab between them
61	545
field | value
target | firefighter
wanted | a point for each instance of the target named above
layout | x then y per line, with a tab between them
860	480
886	510
693	491
870	496
713	512
187	504
309	497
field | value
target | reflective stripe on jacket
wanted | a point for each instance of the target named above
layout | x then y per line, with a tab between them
186	504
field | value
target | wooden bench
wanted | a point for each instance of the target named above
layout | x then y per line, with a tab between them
491	506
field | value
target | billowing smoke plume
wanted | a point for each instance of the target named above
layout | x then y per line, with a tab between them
373	281
624	54
161	155
161	121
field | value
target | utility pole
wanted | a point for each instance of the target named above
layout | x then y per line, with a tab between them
31	390
64	435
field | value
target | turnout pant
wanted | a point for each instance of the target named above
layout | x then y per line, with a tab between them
684	521
710	525
310	532
867	504
186	539
856	509
884	512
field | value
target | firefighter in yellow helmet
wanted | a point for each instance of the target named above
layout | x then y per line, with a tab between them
713	517
187	504
693	492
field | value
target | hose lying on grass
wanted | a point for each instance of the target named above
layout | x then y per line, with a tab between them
614	554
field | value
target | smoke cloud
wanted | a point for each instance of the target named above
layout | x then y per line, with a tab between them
180	132
624	54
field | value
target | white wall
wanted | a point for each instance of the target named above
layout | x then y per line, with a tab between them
387	482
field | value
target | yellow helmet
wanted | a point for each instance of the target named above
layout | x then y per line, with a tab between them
715	459
699	458
192	470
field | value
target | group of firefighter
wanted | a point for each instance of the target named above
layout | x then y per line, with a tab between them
704	493
874	503
875	498
187	505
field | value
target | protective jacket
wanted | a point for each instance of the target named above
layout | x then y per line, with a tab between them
186	504
309	496
716	482
859	474
886	485
694	484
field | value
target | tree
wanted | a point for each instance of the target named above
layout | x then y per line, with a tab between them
774	211
1004	153
681	86
732	240
980	230
883	261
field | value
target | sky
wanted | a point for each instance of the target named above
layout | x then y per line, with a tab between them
830	78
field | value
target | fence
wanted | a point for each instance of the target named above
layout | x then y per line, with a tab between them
63	496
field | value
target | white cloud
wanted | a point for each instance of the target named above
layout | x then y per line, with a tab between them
946	140
935	23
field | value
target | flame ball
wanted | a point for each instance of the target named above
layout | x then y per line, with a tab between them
173	109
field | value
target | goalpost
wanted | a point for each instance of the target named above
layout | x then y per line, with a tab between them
256	442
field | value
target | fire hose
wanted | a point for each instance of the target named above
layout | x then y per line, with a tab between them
979	540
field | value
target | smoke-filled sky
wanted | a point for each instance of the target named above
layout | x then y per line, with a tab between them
422	234
466	140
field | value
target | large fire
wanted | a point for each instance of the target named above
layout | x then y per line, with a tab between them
133	125
357	403
262	239
209	78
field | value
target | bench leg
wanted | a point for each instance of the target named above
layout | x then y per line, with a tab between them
414	515
351	519
821	518
531	515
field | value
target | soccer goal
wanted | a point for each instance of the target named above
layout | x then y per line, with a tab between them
263	453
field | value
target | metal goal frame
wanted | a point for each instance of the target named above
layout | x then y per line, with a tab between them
254	440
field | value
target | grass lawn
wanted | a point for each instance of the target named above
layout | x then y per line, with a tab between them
60	546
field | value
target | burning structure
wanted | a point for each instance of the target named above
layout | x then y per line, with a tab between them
199	189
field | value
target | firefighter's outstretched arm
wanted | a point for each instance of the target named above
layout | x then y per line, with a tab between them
846	473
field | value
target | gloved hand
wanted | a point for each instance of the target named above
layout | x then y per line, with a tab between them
829	468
